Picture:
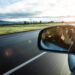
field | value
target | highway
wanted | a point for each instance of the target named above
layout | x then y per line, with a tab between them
19	55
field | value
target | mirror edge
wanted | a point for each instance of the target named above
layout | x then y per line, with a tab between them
49	50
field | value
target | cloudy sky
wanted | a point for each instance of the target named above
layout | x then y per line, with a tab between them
36	8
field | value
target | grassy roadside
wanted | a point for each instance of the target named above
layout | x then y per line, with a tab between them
20	28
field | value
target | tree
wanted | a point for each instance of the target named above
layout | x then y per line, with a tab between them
25	22
40	22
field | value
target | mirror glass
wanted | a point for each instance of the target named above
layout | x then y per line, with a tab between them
59	38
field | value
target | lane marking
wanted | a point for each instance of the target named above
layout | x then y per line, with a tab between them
23	64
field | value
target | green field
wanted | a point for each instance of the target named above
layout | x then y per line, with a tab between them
6	29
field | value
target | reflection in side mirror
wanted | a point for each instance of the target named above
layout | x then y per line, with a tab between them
58	39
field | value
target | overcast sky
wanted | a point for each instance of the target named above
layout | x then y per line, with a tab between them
33	8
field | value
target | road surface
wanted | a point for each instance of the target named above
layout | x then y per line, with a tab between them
19	55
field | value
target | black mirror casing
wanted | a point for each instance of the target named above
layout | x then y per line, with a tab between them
59	50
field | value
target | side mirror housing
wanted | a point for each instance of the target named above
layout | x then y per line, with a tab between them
60	39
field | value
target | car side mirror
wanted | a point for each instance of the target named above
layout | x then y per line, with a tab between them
59	39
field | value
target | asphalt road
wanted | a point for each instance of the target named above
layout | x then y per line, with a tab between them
19	55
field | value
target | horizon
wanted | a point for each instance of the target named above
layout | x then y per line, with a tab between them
44	19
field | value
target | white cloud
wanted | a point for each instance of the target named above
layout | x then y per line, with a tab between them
19	7
44	7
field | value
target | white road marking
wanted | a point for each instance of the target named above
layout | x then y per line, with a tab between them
24	64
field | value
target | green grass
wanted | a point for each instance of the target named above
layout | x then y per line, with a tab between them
20	28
